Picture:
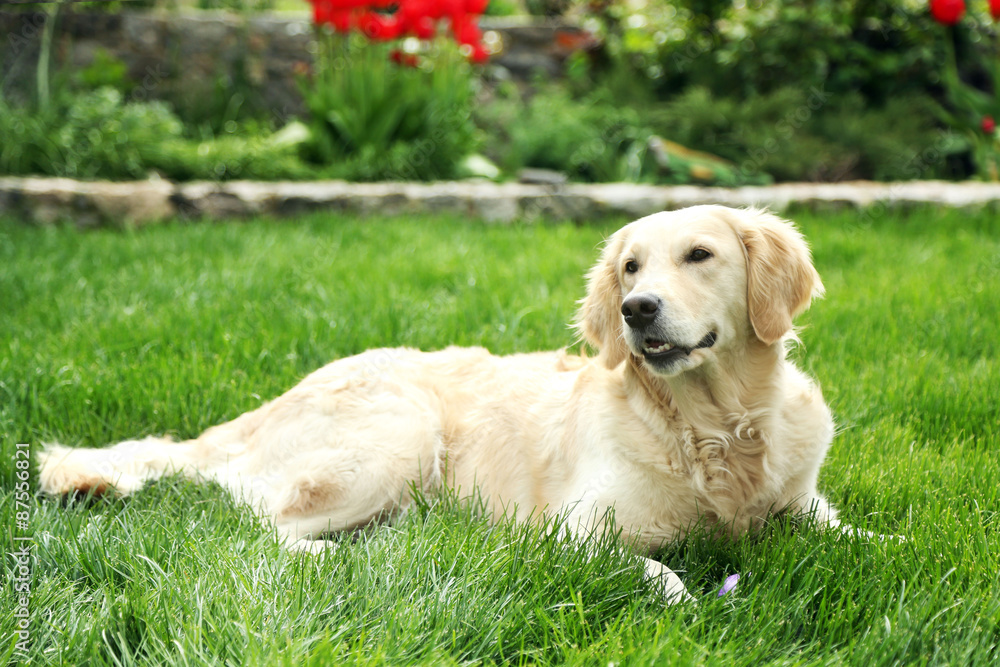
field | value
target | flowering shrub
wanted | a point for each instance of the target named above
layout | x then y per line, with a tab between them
386	20
972	110
385	110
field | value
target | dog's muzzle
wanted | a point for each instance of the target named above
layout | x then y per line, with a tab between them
641	312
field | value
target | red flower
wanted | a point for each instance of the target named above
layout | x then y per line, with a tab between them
467	32
947	12
379	27
404	59
322	13
988	125
424	27
386	20
333	12
343	21
995	9
480	54
417	8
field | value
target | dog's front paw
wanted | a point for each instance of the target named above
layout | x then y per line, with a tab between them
666	582
851	531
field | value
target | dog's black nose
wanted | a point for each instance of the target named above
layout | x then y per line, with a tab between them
640	310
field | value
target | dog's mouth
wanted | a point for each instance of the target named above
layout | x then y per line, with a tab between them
659	350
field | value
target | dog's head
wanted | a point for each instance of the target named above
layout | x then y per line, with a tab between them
677	287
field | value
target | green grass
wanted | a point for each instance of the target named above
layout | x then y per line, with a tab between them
107	335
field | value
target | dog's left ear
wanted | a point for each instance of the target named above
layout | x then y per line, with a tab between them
599	319
781	279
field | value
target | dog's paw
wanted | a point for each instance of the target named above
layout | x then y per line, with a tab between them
310	546
850	531
666	582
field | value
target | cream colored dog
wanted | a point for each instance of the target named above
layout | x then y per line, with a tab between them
691	412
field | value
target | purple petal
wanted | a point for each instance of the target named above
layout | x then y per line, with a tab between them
729	584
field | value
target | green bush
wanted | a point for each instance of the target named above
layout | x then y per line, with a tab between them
372	118
795	134
241	155
503	8
100	135
94	136
800	90
547	7
105	137
239	6
879	48
588	141
593	139
105	71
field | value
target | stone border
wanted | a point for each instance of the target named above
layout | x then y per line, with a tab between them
87	204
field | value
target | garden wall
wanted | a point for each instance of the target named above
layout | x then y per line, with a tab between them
88	204
201	58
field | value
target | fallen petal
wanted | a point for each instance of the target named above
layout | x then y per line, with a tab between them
729	584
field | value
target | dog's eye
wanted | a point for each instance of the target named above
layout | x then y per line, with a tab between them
631	266
699	255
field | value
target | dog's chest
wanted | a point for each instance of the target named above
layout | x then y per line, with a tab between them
726	469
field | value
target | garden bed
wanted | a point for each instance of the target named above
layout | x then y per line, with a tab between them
187	57
669	98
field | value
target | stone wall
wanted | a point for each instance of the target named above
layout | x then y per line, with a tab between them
206	58
94	204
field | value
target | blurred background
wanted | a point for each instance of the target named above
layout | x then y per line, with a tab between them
655	91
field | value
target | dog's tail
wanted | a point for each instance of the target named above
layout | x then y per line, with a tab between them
127	466
124	467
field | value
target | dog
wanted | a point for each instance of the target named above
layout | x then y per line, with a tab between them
689	413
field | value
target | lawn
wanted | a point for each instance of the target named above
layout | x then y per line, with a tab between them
106	335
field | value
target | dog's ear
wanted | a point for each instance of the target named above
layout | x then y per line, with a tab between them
599	319
781	279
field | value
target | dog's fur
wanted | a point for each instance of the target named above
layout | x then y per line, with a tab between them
721	428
